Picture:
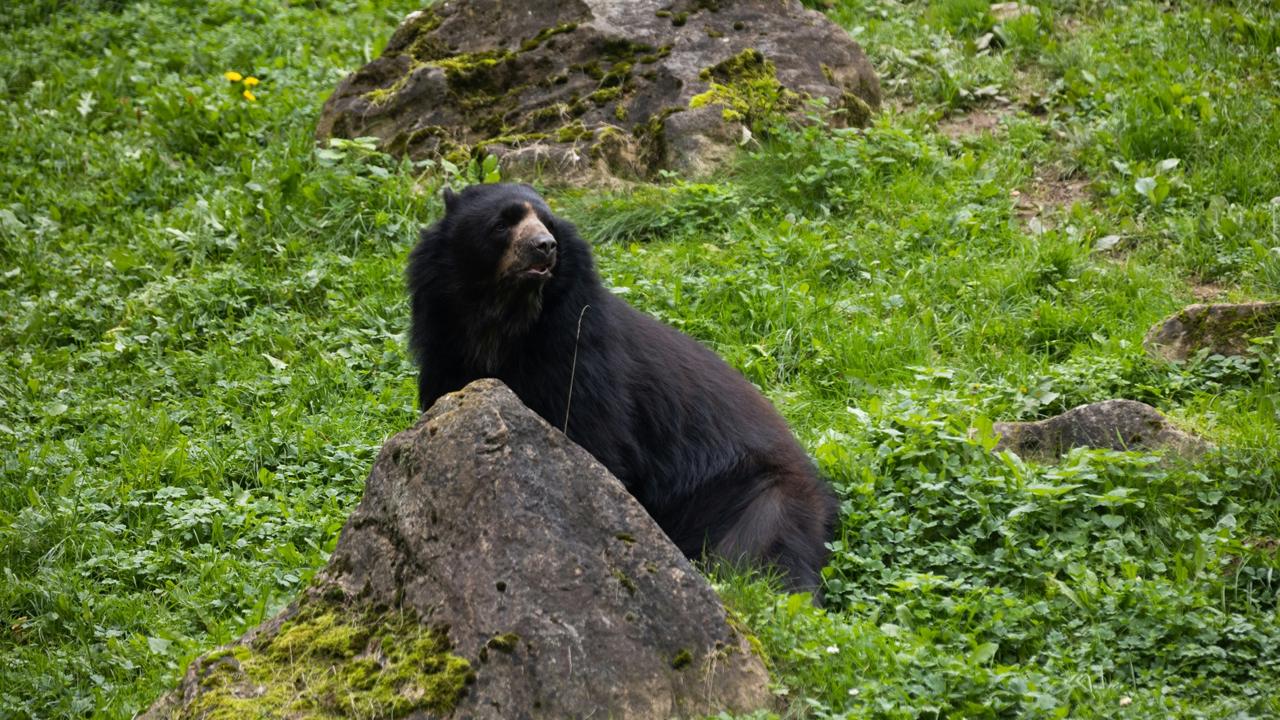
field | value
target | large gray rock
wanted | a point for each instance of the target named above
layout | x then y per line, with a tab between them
1224	329
523	577
1113	424
579	88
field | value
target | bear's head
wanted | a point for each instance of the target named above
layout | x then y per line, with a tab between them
495	265
502	234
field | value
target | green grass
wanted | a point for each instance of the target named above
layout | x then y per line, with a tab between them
202	322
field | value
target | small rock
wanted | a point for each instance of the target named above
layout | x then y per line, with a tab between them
526	576
1006	11
1106	242
1224	329
1114	424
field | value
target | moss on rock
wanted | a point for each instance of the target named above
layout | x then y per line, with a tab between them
605	94
546	34
505	642
472	76
747	86
625	581
383	95
333	661
423	45
572	132
1218	329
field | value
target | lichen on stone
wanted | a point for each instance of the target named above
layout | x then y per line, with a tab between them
331	660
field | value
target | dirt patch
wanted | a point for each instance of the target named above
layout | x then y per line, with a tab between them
900	103
1207	291
980	121
1032	94
1051	189
1069	24
1265	544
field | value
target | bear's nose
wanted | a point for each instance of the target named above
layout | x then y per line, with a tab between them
544	244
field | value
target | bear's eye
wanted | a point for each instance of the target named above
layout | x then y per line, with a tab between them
512	214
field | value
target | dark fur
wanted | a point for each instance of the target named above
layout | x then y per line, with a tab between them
692	440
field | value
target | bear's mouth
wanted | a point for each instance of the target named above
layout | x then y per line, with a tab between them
539	270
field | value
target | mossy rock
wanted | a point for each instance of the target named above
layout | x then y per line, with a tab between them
1219	329
539	85
325	659
492	570
1109	424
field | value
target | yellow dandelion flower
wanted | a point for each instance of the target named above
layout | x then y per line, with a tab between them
249	96
250	81
233	76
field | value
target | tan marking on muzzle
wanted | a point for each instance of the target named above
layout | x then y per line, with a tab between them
528	228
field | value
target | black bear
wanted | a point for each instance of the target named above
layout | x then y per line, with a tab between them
502	288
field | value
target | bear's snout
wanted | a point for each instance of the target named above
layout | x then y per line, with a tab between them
533	248
543	244
537	256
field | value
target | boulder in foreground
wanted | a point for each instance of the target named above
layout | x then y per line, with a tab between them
493	569
1112	424
580	89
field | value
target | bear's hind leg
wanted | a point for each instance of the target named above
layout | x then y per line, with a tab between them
786	525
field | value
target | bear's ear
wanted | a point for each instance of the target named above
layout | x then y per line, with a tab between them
450	199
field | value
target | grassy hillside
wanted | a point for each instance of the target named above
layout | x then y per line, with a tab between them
202	345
